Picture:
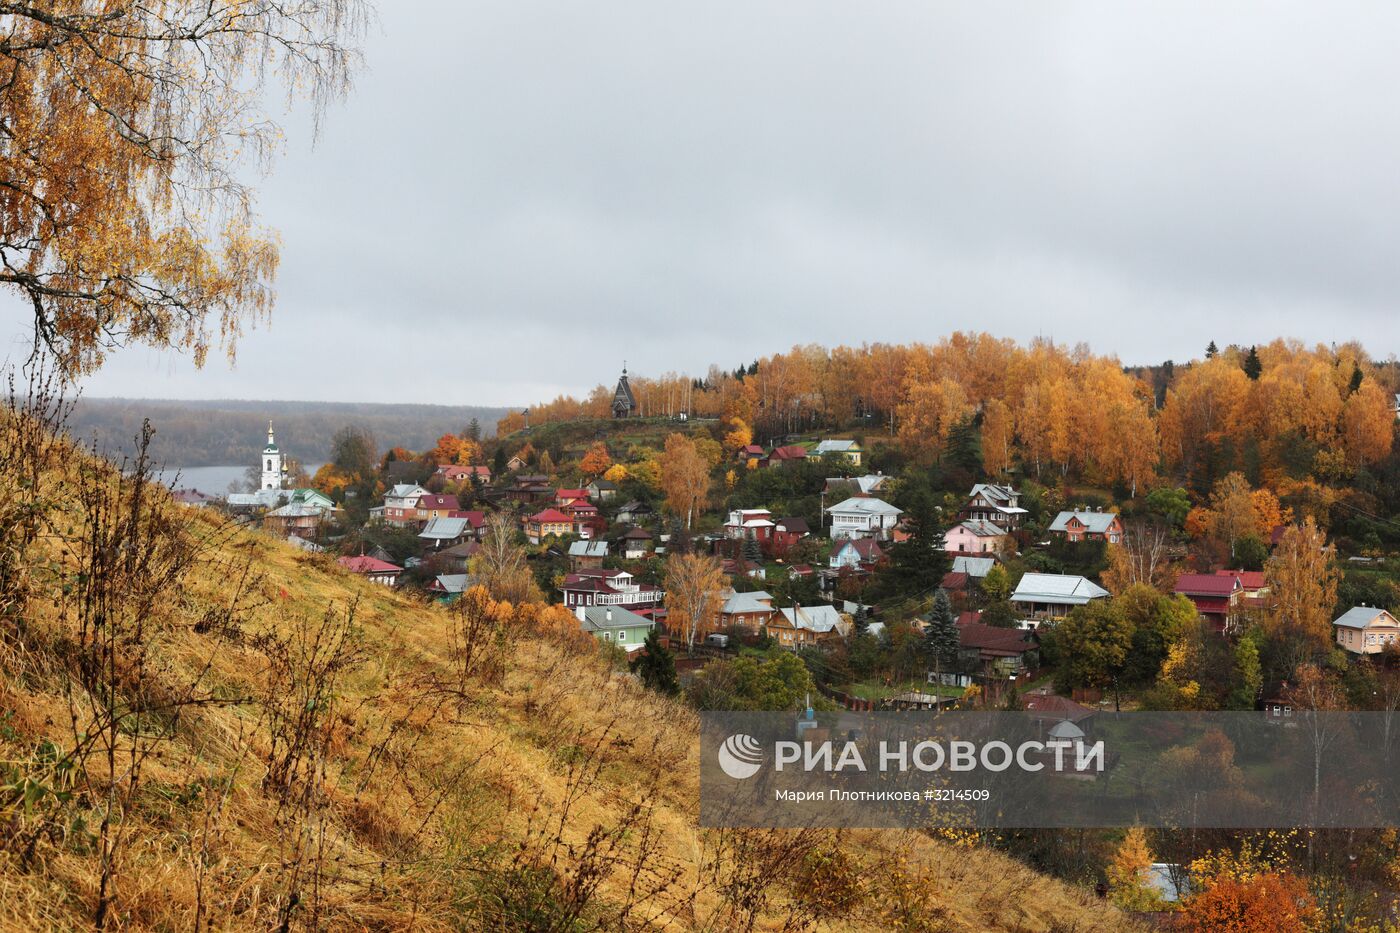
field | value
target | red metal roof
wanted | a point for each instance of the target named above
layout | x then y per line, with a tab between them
363	564
790	452
435	501
1249	579
1207	584
1050	706
992	639
551	516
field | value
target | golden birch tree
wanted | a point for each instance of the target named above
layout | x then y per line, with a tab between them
1303	581
122	215
685	477
694	595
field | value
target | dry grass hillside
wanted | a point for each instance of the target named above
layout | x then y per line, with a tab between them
203	728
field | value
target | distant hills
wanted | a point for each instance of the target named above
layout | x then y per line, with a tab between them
191	433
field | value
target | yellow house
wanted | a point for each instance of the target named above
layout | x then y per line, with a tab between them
849	449
541	525
1366	630
806	625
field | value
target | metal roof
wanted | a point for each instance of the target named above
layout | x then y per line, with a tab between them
818	619
757	601
444	529
1063	588
973	566
1359	617
1096	522
865	505
607	618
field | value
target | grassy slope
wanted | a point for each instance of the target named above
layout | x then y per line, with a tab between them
430	809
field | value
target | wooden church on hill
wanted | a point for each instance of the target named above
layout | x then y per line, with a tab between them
624	403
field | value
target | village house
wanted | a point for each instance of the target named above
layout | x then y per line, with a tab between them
1214	596
636	544
781	456
515	464
846	486
1088	526
1048	711
976	536
1041	597
372	568
581	510
529	489
1365	630
856	553
1278	704
615	626
800	626
457	557
989	502
975	567
849	449
448	586
742	566
294	519
747	611
585	555
863	517
435	505
995	653
635	512
445	532
749	455
602	490
749	523
457	473
786	533
192	498
562	497
401	503
547	523
604	587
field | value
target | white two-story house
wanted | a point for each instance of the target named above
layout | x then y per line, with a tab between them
863	517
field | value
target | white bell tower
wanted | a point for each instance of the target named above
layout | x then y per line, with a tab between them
272	469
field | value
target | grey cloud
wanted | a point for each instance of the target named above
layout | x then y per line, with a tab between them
518	196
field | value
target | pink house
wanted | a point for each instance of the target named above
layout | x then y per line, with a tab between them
975	537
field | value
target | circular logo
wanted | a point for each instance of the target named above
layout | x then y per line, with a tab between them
740	756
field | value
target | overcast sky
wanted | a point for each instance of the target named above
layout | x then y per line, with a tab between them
520	195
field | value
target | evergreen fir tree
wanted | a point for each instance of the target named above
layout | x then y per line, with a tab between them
656	666
964	448
941	634
861	620
1212	350
1356	378
917	565
752	551
679	542
1252	366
